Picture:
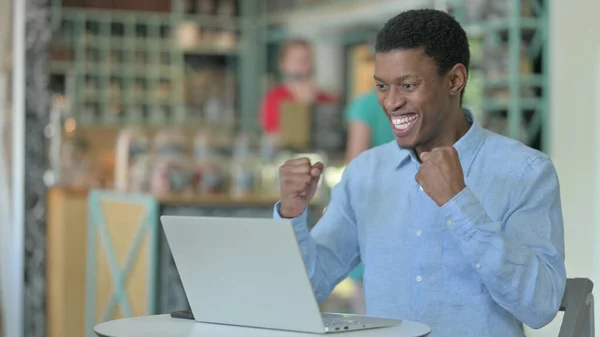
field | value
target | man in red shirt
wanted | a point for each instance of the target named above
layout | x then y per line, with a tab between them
296	68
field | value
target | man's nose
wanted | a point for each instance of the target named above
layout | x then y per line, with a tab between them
394	100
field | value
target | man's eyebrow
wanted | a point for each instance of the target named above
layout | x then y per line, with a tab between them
399	79
406	77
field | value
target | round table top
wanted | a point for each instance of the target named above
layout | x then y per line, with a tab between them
165	325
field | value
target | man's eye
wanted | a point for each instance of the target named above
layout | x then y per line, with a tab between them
380	86
408	86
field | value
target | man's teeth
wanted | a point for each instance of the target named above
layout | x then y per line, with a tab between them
402	123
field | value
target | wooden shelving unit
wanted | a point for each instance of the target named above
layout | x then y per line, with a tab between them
133	67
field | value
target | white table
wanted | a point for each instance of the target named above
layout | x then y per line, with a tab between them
164	325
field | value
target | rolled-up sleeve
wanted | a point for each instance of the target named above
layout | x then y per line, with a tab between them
521	258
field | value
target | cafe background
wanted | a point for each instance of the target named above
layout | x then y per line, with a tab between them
115	112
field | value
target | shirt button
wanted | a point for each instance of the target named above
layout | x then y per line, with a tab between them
418	233
478	266
449	222
419	279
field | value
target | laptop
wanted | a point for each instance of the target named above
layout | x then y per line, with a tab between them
250	272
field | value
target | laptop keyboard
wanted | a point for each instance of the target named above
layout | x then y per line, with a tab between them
338	320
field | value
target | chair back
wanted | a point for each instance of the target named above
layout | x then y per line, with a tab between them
578	305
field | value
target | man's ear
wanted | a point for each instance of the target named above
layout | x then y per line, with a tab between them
457	79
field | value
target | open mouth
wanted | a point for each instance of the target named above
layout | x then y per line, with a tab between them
403	123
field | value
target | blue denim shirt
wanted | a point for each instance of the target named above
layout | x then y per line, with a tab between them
487	261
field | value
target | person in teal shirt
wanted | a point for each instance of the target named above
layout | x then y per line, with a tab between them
368	125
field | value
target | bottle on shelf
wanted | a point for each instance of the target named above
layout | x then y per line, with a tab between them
78	168
172	171
131	143
171	174
140	174
244	168
209	177
269	150
213	108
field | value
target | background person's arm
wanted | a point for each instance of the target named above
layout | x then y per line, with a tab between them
359	139
358	118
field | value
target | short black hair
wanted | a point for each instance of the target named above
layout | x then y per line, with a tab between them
438	33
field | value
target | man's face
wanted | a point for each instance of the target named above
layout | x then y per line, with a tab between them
297	63
413	95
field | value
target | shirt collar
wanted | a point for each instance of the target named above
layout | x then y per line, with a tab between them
467	146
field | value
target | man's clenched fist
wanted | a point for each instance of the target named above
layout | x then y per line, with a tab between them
441	175
298	181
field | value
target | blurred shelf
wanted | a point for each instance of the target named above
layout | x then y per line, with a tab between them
112	128
495	105
222	199
150	45
145	18
215	51
149	101
378	12
111	15
149	72
209	21
532	80
501	24
340	14
129	43
216	199
338	11
136	51
343	13
61	67
287	15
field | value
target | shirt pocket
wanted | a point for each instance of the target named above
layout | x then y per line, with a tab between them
462	282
